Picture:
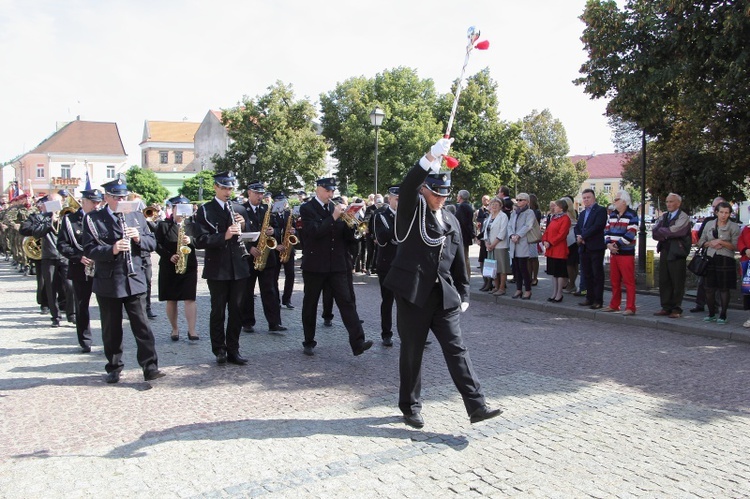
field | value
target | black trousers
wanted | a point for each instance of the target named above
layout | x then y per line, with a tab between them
82	291
328	298
414	324
110	310
149	273
231	296
269	297
288	279
41	293
57	287
672	274
592	265
371	248
386	307
342	293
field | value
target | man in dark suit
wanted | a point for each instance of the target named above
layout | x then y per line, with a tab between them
465	217
114	240
266	277
80	268
384	225
225	266
429	279
589	233
281	217
326	243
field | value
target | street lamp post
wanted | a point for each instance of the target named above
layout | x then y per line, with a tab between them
515	187
642	231
376	119
252	160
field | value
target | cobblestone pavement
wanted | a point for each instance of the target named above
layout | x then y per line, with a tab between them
592	408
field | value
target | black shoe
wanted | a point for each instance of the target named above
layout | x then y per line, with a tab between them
596	306
361	321
327	323
72	319
86	349
112	377
483	413
153	374
414	420
44	310
55	322
193	338
387	342
585	303
695	310
236	358
308	351
278	328
363	347
288	305
151	315
221	358
248	329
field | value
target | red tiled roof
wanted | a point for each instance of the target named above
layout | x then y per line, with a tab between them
89	137
603	165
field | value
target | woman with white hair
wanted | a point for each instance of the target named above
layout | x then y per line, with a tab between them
619	235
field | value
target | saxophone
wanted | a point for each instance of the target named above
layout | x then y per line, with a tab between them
265	243
289	239
182	250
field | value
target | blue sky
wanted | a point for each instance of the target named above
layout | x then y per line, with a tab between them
131	60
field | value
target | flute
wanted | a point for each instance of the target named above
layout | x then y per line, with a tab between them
128	254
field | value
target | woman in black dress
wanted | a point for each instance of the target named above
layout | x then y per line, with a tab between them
174	287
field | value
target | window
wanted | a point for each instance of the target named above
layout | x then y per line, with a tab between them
607	188
111	171
39	171
65	171
178	157
592	187
163	157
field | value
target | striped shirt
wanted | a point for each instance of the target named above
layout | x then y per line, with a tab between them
622	230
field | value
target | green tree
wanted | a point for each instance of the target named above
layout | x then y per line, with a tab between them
191	188
282	135
678	70
145	183
546	169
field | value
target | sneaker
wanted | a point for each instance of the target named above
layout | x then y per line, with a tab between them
721	321
710	318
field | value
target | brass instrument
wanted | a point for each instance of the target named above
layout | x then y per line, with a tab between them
70	206
265	243
149	212
182	250
359	226
289	239
32	248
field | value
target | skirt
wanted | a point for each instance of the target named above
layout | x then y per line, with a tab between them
557	267
721	273
177	287
503	260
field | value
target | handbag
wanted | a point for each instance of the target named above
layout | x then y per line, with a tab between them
489	269
745	277
534	235
699	263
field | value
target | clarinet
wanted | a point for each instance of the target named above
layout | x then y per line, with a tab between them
245	254
128	254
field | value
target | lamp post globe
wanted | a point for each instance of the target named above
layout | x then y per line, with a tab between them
376	119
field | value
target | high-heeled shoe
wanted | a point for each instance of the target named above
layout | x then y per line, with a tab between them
516	295
175	336
526	297
557	300
193	338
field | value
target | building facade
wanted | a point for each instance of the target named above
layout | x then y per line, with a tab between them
168	149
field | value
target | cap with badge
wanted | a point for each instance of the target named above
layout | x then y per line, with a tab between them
280	197
43	199
256	186
329	183
92	195
178	200
63	192
439	183
117	187
225	179
393	190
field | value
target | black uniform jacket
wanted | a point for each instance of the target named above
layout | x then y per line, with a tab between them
166	244
255	222
383	223
326	242
418	268
70	244
100	233
42	229
223	260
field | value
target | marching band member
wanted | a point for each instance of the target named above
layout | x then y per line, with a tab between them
429	279
267	276
326	243
384	225
177	286
114	242
281	219
54	266
225	266
70	245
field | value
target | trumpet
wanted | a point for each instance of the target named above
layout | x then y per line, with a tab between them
359	226
149	212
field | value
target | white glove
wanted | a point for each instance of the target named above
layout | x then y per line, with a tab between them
441	148
433	167
464	306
